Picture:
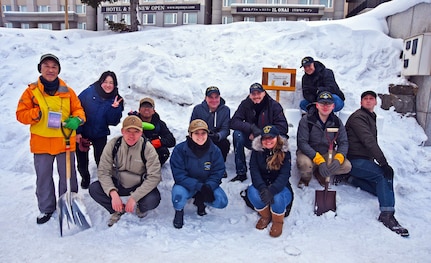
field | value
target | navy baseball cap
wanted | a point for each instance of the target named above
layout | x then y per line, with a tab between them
306	61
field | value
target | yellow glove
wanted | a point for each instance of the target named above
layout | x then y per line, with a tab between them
339	157
318	159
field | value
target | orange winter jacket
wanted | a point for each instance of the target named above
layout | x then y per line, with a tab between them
35	106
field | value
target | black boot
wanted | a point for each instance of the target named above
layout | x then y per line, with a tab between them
85	182
388	219
199	202
179	218
239	177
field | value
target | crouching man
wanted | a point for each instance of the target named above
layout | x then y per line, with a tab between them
129	166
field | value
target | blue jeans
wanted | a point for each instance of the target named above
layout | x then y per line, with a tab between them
240	140
281	200
180	195
368	176
339	103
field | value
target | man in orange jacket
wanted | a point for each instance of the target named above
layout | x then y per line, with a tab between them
47	105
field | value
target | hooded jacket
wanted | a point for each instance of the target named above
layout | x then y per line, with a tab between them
316	139
34	111
322	79
99	112
128	168
261	176
271	114
218	121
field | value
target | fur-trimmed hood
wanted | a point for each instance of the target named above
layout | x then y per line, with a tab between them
257	144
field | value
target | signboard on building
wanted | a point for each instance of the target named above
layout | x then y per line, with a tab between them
278	10
151	8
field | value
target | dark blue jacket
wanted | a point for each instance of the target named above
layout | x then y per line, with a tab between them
192	172
261	176
218	121
321	80
99	113
161	131
272	113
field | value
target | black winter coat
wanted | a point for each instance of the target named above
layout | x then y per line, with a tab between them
321	80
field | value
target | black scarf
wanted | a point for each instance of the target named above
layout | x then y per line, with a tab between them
198	150
260	106
103	94
50	87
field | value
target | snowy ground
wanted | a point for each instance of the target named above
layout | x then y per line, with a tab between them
174	66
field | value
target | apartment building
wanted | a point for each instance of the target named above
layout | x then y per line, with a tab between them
47	14
50	14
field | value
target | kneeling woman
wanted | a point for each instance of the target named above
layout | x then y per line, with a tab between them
270	171
197	167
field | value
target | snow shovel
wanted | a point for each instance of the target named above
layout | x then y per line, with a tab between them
71	210
325	199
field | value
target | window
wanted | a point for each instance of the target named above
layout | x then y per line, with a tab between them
126	18
326	3
250	19
277	2
275	19
227	3
45	26
303	19
25	25
22	8
248	1
111	17
126	1
170	18
305	2
8	25
62	8
227	19
149	19
81	9
82	25
170	0
190	18
7	8
43	8
149	0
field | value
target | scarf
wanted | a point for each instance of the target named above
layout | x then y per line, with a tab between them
50	87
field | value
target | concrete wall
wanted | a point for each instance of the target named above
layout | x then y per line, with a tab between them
412	22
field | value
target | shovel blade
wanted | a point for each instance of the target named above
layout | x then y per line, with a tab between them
72	215
324	201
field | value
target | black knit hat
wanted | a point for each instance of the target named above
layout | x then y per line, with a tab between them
48	57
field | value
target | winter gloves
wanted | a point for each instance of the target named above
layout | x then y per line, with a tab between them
72	123
334	166
214	136
255	130
324	170
207	194
388	172
84	144
266	196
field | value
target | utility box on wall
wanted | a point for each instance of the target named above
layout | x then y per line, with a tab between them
417	55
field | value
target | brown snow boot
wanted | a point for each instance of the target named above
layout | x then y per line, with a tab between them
265	218
277	224
388	219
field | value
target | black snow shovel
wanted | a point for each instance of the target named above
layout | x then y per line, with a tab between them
325	199
72	213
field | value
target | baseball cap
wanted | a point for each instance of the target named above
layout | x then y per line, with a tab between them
368	92
147	100
256	87
325	97
198	124
132	121
270	131
306	61
212	89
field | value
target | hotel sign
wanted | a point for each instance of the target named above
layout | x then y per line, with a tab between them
278	10
151	8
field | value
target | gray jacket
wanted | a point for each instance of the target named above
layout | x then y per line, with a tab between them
316	139
129	169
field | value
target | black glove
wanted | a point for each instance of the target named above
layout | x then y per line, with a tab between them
334	166
214	136
388	172
135	113
324	170
266	196
207	193
255	130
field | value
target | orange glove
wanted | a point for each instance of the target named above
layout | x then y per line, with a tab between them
156	143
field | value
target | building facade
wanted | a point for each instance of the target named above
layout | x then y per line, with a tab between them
47	14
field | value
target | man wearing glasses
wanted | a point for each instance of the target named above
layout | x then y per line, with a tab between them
313	142
160	137
318	78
